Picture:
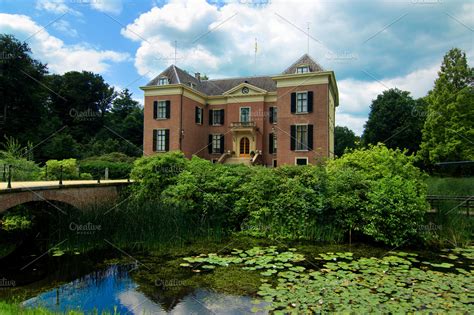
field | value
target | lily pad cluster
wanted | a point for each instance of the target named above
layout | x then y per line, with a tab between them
395	283
390	284
267	259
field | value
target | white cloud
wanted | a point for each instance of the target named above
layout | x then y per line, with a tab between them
65	27
55	6
355	96
107	6
51	50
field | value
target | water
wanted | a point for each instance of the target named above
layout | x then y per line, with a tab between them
113	289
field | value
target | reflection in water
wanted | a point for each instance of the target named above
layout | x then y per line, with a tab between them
113	290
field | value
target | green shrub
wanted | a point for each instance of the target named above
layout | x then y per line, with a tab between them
96	168
156	172
69	166
379	192
22	169
85	176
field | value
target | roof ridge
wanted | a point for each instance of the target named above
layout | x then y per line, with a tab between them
176	73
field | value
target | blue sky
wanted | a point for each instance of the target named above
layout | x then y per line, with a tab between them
371	45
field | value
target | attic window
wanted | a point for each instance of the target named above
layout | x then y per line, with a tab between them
192	85
302	69
163	81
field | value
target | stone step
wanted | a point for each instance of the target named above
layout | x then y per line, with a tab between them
237	160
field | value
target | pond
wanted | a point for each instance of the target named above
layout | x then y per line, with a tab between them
113	290
250	278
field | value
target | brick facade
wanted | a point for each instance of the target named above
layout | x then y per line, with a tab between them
259	94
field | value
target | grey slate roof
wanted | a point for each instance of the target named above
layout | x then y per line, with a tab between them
219	86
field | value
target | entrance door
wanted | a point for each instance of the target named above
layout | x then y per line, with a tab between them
244	147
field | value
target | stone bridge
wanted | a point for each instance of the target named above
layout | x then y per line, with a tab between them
83	194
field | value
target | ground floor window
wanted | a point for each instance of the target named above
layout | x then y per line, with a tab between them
301	161
161	140
302	137
217	145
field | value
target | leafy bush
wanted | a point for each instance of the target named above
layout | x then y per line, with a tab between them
119	165
157	172
379	192
15	222
22	169
86	176
69	166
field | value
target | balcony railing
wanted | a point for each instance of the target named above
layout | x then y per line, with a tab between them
243	124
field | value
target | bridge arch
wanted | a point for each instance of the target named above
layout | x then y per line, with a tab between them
82	197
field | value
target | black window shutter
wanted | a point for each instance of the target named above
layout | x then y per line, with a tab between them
272	110
310	101
168	109
222	144
293	138
167	139
155	132
222	116
310	137
270	143
210	117
293	102
196	110
209	145
155	109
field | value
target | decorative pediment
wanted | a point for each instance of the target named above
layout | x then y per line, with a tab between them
244	89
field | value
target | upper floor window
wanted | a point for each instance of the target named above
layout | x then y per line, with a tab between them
216	117
301	102
198	115
244	114
163	81
161	109
302	69
273	115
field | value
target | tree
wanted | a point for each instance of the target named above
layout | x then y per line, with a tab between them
449	127
392	121
344	138
22	93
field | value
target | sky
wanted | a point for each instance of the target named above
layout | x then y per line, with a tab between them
370	45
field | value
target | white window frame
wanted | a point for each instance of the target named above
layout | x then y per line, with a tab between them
161	110
216	143
304	146
302	69
301	158
214	123
240	113
160	140
163	81
303	109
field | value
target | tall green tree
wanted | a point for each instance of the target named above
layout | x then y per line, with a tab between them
394	121
448	133
22	92
344	138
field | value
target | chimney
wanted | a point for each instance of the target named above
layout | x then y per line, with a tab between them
197	75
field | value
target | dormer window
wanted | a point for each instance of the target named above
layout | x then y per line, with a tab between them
192	85
163	81
302	69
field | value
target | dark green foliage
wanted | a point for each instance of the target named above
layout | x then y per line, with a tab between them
449	125
378	192
344	138
394	120
119	165
73	115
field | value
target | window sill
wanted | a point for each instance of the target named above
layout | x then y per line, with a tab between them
216	125
161	118
301	150
301	113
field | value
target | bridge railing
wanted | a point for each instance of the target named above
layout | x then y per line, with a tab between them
7	171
